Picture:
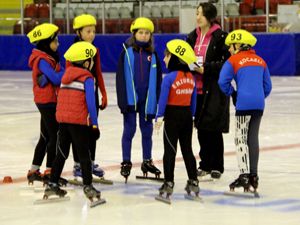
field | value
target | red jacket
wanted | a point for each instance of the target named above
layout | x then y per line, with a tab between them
47	94
71	104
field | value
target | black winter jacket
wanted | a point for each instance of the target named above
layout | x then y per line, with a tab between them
212	111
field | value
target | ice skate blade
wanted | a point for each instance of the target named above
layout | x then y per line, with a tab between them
75	182
206	179
193	198
102	180
42	189
50	200
150	178
98	202
242	194
163	199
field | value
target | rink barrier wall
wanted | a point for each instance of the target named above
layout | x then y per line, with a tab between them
280	51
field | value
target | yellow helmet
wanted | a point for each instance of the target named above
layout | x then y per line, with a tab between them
182	50
241	37
83	20
41	32
80	51
142	23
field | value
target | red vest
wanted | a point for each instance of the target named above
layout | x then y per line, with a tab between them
182	89
71	104
47	94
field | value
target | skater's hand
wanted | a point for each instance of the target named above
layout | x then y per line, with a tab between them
103	103
95	132
42	80
158	123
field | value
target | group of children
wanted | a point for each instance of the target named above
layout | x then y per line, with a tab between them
69	104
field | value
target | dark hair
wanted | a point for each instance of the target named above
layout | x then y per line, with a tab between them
176	64
44	45
209	11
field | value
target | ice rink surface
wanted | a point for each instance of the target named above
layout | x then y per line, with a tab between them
133	203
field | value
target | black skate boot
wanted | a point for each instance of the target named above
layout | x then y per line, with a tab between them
192	186
166	188
93	195
148	166
254	181
125	169
46	178
54	189
242	181
34	176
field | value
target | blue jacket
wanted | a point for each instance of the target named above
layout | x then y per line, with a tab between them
138	79
252	78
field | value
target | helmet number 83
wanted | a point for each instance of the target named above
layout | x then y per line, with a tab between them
180	50
237	36
89	53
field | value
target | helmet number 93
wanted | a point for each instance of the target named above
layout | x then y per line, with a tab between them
236	36
37	33
89	53
180	50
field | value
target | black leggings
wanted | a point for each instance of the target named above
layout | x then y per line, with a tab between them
178	126
79	137
48	137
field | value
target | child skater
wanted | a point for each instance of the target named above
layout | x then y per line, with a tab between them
253	84
138	82
177	106
76	114
85	27
46	78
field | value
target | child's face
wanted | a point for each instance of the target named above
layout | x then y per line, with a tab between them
201	19
88	33
143	35
167	59
54	44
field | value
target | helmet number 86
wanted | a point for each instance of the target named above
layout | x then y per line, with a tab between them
180	50
37	33
89	53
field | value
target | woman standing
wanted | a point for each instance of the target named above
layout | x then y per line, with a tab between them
212	112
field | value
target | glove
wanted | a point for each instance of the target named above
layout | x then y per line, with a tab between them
158	123
95	132
234	97
104	102
42	80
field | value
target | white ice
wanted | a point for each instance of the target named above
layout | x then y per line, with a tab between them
133	203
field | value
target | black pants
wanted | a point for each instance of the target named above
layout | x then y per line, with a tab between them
178	126
48	137
211	150
92	141
78	135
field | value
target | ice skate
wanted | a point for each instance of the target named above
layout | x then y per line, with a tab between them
34	176
125	169
53	190
204	175
167	189
244	182
192	186
254	183
77	174
148	166
99	173
46	177
93	195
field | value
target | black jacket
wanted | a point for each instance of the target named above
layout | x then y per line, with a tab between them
212	111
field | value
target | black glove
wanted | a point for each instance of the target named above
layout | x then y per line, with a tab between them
234	96
42	80
95	132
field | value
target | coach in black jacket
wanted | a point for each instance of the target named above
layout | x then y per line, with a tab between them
212	113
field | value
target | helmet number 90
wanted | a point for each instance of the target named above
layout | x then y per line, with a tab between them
236	36
89	53
37	33
180	50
